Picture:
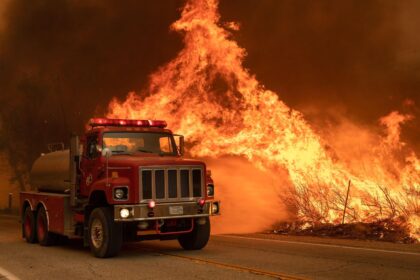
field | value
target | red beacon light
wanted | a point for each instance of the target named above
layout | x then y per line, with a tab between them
201	202
126	123
122	122
151	204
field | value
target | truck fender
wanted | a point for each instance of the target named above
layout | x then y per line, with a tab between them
42	204
25	204
98	198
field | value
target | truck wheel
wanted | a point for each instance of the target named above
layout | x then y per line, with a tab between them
28	225
196	239
45	238
105	236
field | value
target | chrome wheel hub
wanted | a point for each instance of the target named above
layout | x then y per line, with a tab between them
97	233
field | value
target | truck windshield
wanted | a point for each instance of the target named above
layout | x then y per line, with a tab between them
140	142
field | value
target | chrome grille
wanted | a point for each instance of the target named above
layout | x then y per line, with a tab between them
171	183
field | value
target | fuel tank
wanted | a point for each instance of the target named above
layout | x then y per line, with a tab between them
51	172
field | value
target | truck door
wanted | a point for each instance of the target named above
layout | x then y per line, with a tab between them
90	164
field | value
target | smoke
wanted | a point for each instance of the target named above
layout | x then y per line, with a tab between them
62	61
356	144
250	197
3	6
356	58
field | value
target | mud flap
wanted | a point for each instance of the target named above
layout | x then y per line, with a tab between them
85	234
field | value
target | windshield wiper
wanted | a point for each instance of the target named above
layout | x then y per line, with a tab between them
151	152
145	151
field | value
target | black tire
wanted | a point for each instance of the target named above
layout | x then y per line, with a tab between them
29	225
45	237
105	236
198	238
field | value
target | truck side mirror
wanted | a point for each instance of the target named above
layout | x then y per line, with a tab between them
181	145
106	152
179	141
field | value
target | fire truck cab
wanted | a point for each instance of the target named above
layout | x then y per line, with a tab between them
124	180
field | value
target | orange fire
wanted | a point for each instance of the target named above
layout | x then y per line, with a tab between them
229	118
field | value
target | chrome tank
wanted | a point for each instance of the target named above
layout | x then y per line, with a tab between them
51	172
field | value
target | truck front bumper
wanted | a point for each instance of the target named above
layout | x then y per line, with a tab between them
162	211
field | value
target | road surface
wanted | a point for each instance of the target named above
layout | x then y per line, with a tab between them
255	256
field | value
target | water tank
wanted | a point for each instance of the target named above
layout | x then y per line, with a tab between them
50	172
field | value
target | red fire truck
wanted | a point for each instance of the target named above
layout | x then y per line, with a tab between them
124	180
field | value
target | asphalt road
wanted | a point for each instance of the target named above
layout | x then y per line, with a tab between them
225	257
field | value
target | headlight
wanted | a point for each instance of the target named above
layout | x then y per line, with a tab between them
210	190
121	193
215	208
124	213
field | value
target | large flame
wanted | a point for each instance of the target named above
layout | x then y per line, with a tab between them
206	94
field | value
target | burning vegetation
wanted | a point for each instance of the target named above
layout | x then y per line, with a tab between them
208	95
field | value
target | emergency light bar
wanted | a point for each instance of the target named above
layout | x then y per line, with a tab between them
123	122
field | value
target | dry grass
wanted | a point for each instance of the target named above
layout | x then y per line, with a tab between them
383	213
383	230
